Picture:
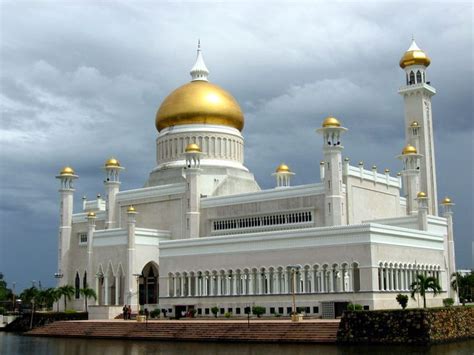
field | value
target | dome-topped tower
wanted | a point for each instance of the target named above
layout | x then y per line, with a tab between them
199	102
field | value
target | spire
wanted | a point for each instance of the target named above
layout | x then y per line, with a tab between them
199	71
413	46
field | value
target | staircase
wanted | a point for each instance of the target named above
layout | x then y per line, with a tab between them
256	331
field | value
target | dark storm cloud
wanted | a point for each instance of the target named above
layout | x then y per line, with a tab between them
82	81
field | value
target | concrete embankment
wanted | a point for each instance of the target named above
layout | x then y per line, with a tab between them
310	331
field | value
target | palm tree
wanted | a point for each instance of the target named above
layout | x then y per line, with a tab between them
88	293
423	284
67	291
56	296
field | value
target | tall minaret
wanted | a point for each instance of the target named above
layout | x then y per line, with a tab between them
332	150
112	184
417	95
66	191
192	173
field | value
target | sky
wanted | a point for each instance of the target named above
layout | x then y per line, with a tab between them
81	81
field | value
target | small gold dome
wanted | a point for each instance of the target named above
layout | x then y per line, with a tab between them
131	209
409	149
331	122
199	102
446	201
321	162
374	167
414	124
192	148
67	170
361	163
414	56
112	163
387	171
282	168
91	215
421	194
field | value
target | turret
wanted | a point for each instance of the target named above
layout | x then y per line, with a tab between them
66	177
332	131
411	175
130	281
192	173
422	201
283	175
112	185
90	243
447	205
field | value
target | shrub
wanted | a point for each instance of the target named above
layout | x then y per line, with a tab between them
258	310
192	312
354	307
2	310
69	311
277	314
300	310
402	300
448	302
155	313
228	314
215	310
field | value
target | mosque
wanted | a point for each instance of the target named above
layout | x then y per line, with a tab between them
201	233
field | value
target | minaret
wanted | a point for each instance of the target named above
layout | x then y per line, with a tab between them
130	279
112	185
423	202
332	150
192	173
411	176
66	191
90	243
283	175
448	214
417	95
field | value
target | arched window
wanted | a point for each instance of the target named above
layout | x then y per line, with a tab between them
412	77
84	280
78	285
418	76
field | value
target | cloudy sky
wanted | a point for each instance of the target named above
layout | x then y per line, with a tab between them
81	81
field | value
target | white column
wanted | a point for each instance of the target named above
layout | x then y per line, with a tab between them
331	280
169	286
219	284
259	282
277	282
227	283
189	286
97	290
106	290
251	288
175	293
117	290
234	283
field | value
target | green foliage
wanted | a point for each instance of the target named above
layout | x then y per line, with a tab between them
5	293
423	284
2	311
228	314
66	291
155	313
28	295
402	300
258	310
215	310
464	285
354	307
87	293
70	311
448	302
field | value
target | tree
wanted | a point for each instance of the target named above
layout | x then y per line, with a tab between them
258	310
87	293
67	291
423	284
402	300
5	293
47	297
464	285
28	295
215	310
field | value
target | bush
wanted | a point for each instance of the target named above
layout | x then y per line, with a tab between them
448	302
155	313
2	311
258	310
277	314
192	312
215	310
354	307
228	314
69	311
402	300
300	310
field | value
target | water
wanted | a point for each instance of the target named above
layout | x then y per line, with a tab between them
13	344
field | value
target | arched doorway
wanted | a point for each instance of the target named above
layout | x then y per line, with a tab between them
148	283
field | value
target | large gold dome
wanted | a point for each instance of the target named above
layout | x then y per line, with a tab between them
199	102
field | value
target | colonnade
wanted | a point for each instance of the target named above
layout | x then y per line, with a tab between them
394	276
265	281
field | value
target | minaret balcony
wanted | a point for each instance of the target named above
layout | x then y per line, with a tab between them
425	87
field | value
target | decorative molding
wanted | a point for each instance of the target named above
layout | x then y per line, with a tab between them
369	176
150	192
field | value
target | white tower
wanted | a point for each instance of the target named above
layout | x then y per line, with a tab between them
448	214
90	243
332	150
112	185
411	176
417	95
283	175
192	173
130	282
66	177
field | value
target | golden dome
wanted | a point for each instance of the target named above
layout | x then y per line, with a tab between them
67	170
192	148
414	124
421	195
199	102
446	201
282	168
387	171
409	149
414	56
131	209
331	122
91	215
112	163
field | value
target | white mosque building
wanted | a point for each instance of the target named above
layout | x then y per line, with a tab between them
201	233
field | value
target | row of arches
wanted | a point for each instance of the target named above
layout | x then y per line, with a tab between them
393	276
343	277
415	77
213	146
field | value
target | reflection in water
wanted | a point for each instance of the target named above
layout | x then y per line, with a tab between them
12	344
